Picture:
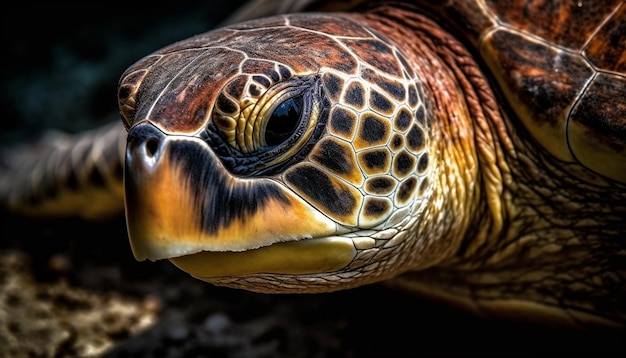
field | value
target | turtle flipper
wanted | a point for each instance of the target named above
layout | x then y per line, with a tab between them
66	175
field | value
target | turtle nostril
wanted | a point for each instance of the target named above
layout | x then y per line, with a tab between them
145	141
152	145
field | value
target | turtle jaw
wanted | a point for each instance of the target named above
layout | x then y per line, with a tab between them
180	201
310	256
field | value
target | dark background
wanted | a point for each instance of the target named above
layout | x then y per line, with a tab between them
60	67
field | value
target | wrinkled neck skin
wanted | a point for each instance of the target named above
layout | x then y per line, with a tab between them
514	233
467	139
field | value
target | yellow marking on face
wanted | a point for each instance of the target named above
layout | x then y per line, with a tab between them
295	258
164	213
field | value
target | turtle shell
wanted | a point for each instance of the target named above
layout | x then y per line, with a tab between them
562	68
560	65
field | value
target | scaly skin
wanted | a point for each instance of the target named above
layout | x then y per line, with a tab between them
498	226
533	239
504	224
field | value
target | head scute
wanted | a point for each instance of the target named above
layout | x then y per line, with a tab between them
374	141
321	118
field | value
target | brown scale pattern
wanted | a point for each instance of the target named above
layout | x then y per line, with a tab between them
370	161
342	123
551	18
370	121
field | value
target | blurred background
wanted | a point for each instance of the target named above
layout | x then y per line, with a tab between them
61	60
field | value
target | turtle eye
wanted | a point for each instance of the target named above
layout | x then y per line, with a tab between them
262	133
283	121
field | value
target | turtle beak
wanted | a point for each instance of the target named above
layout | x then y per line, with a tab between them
180	200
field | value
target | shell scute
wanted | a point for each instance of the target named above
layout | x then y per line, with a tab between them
338	157
406	191
597	126
355	95
552	20
326	192
380	185
380	103
375	161
376	54
373	130
375	211
333	84
342	122
540	81
403	164
402	120
606	49
395	89
416	139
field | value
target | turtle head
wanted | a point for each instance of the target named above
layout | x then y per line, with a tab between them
284	150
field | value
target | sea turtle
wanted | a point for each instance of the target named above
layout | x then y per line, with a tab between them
472	151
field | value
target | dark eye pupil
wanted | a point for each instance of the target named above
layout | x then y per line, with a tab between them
283	122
